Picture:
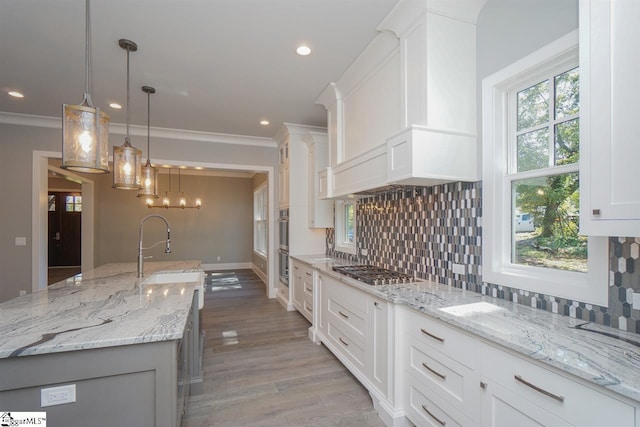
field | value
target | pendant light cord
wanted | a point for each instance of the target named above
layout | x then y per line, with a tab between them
87	60
128	112
148	127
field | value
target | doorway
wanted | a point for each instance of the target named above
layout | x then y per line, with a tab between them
64	211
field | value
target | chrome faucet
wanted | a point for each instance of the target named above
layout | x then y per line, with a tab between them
167	249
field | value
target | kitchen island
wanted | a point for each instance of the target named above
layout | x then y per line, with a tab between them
121	346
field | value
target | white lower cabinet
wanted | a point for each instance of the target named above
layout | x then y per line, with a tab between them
520	392
302	289
355	326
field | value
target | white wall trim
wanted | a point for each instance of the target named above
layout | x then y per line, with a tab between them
39	217
136	130
260	274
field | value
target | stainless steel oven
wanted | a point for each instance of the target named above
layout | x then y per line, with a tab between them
283	228
283	252
283	266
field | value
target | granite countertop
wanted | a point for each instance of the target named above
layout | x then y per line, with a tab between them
107	306
601	355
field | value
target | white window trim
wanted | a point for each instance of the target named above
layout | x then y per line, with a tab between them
262	188
340	244
497	268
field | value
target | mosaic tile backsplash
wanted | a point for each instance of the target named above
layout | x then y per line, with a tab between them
423	231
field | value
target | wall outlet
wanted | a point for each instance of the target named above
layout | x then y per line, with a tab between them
459	269
57	395
21	241
218	258
364	251
23	292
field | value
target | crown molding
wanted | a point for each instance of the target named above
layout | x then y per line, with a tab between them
136	130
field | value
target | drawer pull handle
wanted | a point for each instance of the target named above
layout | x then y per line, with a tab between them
424	407
435	337
483	385
296	267
343	315
308	289
346	344
443	377
538	389
307	273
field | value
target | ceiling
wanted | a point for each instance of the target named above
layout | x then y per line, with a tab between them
218	66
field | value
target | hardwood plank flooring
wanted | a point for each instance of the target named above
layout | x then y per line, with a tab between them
261	369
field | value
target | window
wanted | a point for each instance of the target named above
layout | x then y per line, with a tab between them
260	220
531	122
72	204
345	239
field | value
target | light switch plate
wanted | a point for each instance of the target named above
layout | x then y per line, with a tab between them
57	395
459	269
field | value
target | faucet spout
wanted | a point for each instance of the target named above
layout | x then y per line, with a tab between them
167	242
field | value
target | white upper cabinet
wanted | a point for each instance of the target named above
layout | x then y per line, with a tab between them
405	111
320	211
609	131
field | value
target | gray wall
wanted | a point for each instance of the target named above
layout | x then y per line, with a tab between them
508	30
221	228
16	146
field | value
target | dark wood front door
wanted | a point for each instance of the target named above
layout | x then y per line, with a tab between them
65	212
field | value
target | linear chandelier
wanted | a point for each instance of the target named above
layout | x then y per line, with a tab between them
171	200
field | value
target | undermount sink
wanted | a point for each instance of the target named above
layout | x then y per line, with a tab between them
167	277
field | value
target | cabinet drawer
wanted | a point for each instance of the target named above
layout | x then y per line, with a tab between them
442	337
569	400
453	382
350	320
352	348
430	411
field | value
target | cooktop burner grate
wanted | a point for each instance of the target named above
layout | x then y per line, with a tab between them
373	275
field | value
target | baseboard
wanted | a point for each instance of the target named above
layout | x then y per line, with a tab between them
260	274
228	266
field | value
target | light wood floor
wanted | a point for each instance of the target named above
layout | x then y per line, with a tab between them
260	368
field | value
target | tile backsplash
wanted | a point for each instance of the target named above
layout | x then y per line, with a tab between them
424	231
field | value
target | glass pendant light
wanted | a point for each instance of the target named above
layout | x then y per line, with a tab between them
127	160
149	173
85	128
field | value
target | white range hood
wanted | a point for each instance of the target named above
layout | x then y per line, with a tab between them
405	111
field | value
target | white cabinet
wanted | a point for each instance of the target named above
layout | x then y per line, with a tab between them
320	213
518	392
283	176
378	344
609	132
441	371
302	292
355	327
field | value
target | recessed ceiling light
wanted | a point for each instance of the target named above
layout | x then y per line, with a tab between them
15	94
303	50
115	106
264	122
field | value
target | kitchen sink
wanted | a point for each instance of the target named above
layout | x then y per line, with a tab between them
168	277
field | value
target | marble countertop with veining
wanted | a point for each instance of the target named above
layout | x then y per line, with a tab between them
599	354
107	306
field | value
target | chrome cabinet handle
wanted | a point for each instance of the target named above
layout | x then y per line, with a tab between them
435	337
424	407
442	376
307	273
308	289
346	344
483	385
538	389
343	315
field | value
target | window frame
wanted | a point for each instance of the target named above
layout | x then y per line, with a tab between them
341	244
497	267
260	216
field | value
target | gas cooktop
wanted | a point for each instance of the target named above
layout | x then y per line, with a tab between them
373	275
